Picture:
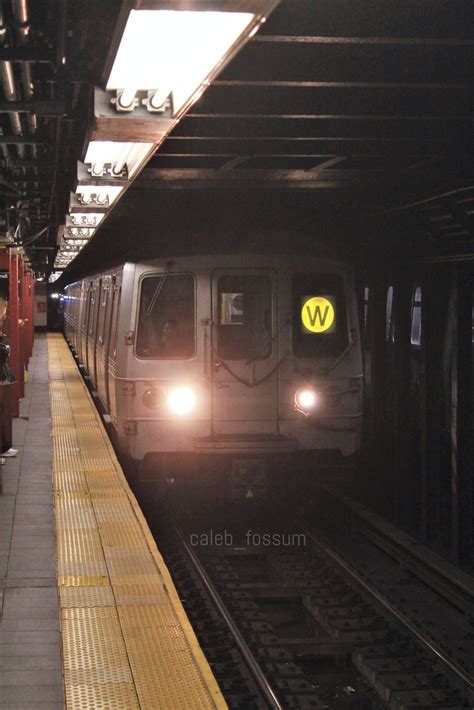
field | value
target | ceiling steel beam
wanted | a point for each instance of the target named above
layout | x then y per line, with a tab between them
392	18
332	117
193	145
26	54
334	101
41	107
345	84
25	140
456	132
261	61
304	178
390	41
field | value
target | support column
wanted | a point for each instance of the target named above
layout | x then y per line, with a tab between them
402	416
21	324
380	476
14	331
461	410
25	299
433	320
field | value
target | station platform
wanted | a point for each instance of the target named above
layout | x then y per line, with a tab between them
90	617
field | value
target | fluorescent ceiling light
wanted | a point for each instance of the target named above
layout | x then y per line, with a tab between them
103	195
166	51
116	155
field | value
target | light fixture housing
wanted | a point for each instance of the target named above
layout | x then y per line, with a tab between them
87	220
116	159
92	194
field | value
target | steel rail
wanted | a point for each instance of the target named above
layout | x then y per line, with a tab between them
263	684
424	639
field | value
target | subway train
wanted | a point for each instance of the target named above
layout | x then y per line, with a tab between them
229	369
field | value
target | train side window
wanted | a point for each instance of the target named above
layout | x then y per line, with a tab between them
114	323
319	315
416	317
95	301
102	310
244	328
90	306
166	322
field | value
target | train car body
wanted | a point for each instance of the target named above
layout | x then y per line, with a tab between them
224	362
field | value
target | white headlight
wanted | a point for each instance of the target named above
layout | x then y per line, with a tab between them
306	400
181	400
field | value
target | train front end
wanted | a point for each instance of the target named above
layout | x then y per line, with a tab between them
242	373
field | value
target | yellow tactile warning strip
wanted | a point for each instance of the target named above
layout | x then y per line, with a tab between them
127	642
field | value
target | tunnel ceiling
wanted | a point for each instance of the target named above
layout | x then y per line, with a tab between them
347	114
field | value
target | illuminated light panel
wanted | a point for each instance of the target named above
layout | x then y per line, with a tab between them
119	155
103	195
174	51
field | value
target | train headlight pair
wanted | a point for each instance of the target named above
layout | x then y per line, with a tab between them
307	400
180	401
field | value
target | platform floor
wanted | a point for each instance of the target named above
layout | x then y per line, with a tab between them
30	642
99	610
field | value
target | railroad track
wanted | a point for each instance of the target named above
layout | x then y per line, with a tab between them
308	628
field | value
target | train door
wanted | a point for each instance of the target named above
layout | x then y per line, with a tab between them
81	326
102	337
91	328
87	320
112	350
107	337
245	352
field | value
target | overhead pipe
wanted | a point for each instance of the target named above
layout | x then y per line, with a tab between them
4	71
7	79
21	16
20	11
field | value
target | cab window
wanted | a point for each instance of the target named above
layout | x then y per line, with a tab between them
244	317
166	322
319	325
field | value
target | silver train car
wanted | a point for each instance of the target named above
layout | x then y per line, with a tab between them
224	366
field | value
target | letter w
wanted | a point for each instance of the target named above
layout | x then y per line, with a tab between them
316	315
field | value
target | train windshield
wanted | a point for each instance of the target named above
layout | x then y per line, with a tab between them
166	323
319	315
244	329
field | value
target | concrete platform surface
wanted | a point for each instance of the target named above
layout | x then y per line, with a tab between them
30	640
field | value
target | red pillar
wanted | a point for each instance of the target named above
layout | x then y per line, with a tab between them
25	314
9	262
21	326
30	313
